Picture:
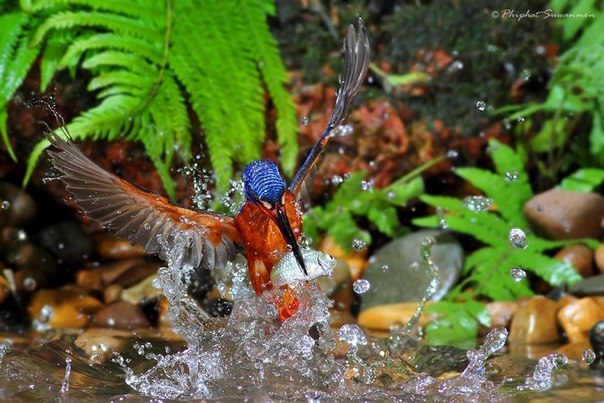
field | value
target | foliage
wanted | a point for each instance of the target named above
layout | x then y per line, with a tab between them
584	180
357	198
151	63
487	270
575	102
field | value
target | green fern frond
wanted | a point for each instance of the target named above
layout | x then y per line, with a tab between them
152	61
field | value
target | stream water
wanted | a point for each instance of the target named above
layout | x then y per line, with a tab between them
252	355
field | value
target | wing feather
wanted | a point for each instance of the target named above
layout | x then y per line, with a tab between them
208	239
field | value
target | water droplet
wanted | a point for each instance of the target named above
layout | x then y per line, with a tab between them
517	274
342	130
452	154
477	203
46	313
29	284
147	226
520	119
518	238
358	244
361	286
481	105
385	267
352	334
5	205
525	74
455	66
305	120
511	176
589	357
366	185
442	221
337	180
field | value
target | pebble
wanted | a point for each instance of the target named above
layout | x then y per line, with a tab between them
562	214
100	345
111	271
112	292
579	256
340	279
383	317
138	273
501	313
596	338
599	257
534	322
590	286
121	315
17	207
110	247
356	260
578	317
35	267
142	291
89	279
67	307
406	278
66	240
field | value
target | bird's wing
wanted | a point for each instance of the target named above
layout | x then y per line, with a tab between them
357	53
172	232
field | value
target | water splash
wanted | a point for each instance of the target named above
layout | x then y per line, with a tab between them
542	378
67	378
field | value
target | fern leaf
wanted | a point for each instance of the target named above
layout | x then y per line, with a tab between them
554	271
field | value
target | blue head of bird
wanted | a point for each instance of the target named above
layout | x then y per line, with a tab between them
264	186
263	183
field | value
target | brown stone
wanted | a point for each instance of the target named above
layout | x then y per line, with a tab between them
138	273
111	247
383	317
67	307
112	292
142	291
112	271
579	256
574	351
356	260
100	345
501	313
578	317
534	322
89	279
121	315
563	214
599	257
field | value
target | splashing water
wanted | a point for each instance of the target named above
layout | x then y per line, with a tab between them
542	378
66	379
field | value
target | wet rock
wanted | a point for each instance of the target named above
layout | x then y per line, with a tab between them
110	272
437	360
397	273
356	260
596	338
534	322
579	256
137	273
590	286
599	258
562	214
112	293
67	307
89	279
383	317
121	315
17	207
340	279
142	291
501	313
36	268
575	350
100	345
66	240
578	317
110	247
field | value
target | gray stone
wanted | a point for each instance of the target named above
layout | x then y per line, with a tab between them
590	286
406	278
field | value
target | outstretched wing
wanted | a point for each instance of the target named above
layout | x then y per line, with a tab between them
357	53
172	232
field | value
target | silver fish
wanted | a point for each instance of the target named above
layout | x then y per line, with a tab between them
288	271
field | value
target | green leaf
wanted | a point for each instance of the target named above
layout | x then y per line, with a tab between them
583	180
384	218
458	324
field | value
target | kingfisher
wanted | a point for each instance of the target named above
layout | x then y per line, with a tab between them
267	227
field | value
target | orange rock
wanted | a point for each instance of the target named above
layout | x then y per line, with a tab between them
67	307
111	247
501	312
534	322
356	259
89	279
383	317
599	257
565	300
578	317
579	256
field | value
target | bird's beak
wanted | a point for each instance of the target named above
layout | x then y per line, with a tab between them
280	218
